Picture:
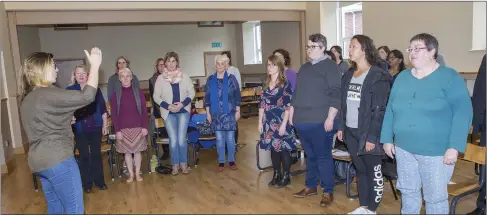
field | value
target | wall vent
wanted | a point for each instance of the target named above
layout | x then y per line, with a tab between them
64	27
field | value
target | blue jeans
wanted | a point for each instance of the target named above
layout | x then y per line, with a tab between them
225	138
429	172
317	144
177	128
62	188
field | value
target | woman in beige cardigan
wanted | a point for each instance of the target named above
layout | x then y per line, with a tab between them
174	91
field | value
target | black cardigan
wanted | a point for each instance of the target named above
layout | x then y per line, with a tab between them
373	102
479	100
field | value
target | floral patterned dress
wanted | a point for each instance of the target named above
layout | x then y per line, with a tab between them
275	102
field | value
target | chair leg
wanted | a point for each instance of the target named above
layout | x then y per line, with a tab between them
110	163
349	182
34	178
148	160
455	199
156	148
392	187
117	159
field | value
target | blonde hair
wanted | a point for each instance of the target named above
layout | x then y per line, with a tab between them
73	76
222	58
281	77
34	72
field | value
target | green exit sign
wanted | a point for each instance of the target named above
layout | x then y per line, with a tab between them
216	45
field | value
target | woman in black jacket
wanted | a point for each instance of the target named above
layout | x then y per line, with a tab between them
365	90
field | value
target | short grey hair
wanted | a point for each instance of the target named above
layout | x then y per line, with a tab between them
222	59
126	69
318	38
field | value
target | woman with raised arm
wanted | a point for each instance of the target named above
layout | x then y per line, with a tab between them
46	113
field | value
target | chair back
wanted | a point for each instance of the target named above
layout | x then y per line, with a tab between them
159	123
474	153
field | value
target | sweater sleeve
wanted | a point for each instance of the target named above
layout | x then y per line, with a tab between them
190	91
144	115
157	95
479	100
101	102
207	92
71	100
236	90
113	110
333	78
461	106
379	103
386	135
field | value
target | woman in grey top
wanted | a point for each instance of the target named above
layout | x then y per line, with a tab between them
343	65
46	113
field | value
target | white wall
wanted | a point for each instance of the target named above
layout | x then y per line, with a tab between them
29	40
275	35
394	23
141	44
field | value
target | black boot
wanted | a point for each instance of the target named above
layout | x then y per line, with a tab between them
286	166
276	179
285	180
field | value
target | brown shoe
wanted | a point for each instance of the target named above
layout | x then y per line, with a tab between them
305	193
326	200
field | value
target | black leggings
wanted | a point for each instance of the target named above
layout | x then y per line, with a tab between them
370	183
283	157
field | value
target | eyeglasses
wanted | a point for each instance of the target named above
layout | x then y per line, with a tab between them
312	47
417	49
391	58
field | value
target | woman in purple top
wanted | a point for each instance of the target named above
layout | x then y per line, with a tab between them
90	125
130	120
290	73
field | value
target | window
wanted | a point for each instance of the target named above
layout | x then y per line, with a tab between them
349	23
252	43
478	26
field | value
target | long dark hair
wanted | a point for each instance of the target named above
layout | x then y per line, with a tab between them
398	54
371	54
339	50
281	78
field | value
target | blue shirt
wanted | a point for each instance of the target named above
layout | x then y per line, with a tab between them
430	115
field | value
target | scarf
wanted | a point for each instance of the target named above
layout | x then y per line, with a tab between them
173	77
214	107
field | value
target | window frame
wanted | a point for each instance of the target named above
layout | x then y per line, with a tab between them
341	11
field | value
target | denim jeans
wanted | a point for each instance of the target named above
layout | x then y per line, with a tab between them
62	188
177	128
225	138
429	172
317	144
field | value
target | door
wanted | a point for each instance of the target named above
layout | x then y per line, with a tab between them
65	71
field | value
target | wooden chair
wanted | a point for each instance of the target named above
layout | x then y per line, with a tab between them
158	140
106	147
476	154
248	98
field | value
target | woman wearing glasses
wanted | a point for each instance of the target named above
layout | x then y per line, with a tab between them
426	124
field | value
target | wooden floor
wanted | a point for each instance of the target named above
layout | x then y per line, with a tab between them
205	190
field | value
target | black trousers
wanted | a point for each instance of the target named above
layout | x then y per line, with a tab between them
370	183
481	198
90	162
282	157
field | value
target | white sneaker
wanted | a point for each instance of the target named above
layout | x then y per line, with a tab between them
361	210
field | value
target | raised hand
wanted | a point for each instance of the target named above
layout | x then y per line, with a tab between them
94	57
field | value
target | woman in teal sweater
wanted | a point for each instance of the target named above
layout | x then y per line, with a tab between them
426	124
